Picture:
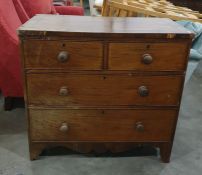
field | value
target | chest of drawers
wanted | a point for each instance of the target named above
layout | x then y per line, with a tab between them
102	81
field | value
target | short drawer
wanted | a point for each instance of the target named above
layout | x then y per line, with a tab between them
101	125
148	56
63	55
69	89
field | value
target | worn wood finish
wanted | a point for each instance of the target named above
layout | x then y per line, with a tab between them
81	55
165	151
102	125
104	90
129	56
105	96
92	147
76	27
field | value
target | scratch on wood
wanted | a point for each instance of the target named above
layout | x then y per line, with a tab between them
44	33
171	35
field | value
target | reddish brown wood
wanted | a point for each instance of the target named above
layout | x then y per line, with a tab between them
104	90
81	55
89	147
129	56
88	89
165	152
36	150
69	27
101	125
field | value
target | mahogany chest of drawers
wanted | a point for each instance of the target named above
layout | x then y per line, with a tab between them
102	82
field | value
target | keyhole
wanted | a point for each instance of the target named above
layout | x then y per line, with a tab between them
104	78
148	46
63	45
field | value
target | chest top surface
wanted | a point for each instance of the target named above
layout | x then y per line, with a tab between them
59	25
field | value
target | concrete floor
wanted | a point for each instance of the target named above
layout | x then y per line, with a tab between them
186	156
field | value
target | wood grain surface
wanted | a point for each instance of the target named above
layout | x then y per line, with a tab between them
101	125
96	90
128	56
99	27
81	55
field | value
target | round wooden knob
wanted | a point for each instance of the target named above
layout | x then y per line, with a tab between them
63	91
143	91
64	127
139	127
63	56
147	59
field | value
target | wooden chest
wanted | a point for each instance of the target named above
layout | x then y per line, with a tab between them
102	82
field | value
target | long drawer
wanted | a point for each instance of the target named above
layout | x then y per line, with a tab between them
101	125
105	90
63	55
148	56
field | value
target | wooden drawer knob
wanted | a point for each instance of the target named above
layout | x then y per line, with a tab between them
63	56
139	127
143	91
147	59
64	127
63	91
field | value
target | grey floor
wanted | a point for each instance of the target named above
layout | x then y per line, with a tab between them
186	156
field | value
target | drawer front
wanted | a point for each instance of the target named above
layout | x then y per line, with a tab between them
94	90
101	125
63	55
148	57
